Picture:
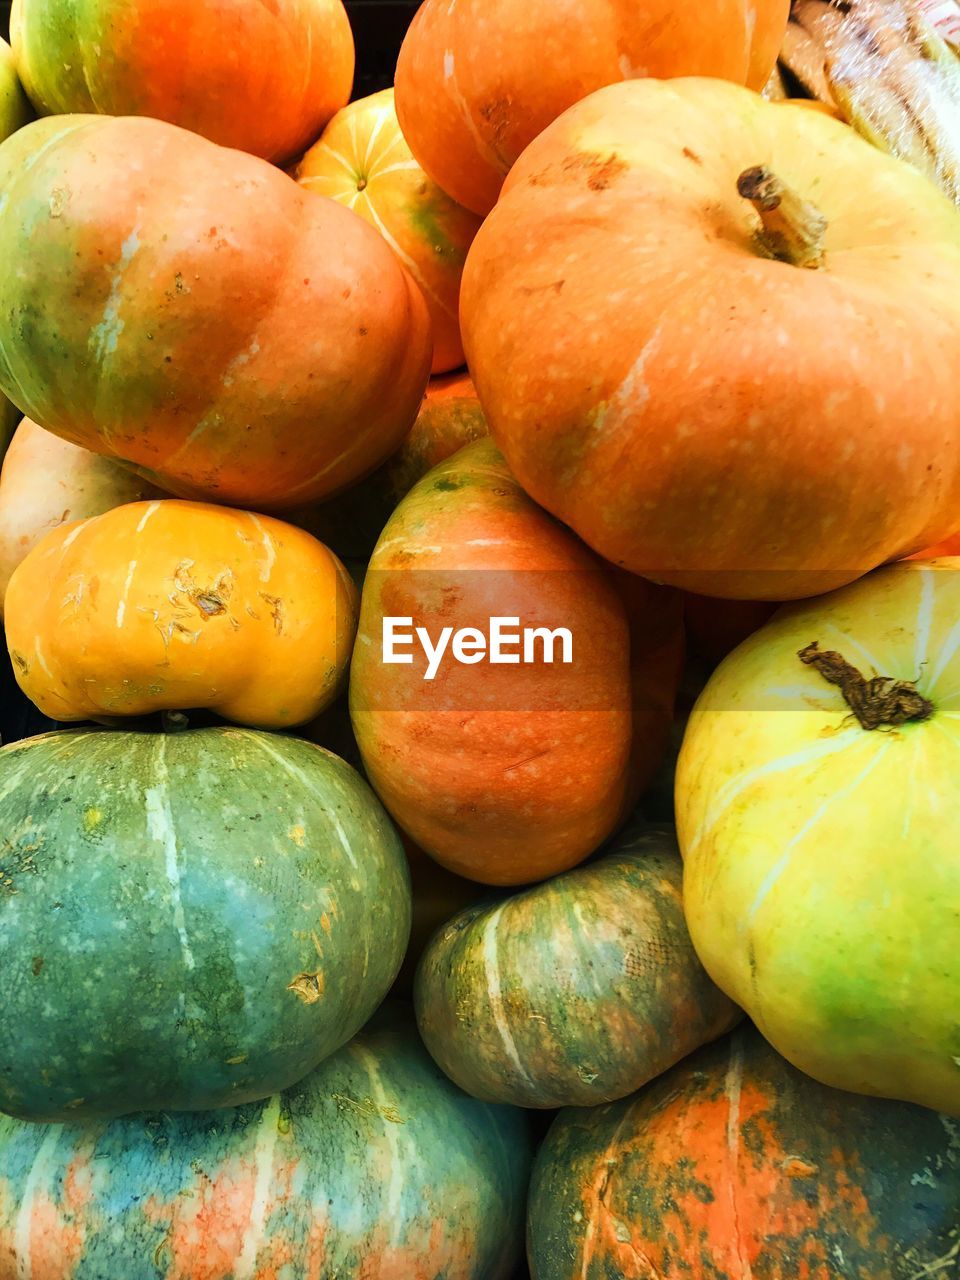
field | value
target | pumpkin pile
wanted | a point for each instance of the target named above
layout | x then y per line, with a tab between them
480	555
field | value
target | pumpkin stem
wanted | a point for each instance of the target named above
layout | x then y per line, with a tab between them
876	702
793	228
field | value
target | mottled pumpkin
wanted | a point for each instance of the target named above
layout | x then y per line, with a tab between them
814	797
374	1167
449	418
168	605
503	773
663	372
363	161
193	311
46	482
261	77
478	80
577	991
735	1165
187	920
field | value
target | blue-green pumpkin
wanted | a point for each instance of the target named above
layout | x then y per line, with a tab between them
187	920
374	1167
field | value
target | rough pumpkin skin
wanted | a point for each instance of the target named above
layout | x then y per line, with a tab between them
374	1167
664	386
478	80
363	161
187	920
504	774
192	310
46	482
821	873
169	605
449	418
735	1165
264	78
577	991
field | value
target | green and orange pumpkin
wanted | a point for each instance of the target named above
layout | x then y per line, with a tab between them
735	1165
374	1167
575	992
187	921
191	310
264	78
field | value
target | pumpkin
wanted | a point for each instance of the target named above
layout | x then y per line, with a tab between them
504	773
261	77
373	1167
187	920
363	161
478	80
576	991
735	1165
195	312
46	482
14	107
163	606
438	895
662	374
449	418
814	791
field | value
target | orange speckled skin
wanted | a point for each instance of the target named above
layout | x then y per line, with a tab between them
261	75
169	605
373	1167
46	482
735	1165
363	161
190	309
477	80
667	390
504	774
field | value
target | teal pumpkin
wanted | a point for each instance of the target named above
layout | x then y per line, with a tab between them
735	1166
576	991
187	920
374	1167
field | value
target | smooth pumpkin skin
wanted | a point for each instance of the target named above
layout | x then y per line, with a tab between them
575	992
264	78
733	1165
666	390
821	874
168	605
478	80
374	1167
363	161
503	774
46	482
450	417
187	920
195	312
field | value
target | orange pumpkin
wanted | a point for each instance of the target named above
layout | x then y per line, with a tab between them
363	161
263	77
477	80
503	772
713	372
168	605
46	482
193	311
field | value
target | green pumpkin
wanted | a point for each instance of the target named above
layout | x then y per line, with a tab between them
735	1166
374	1167
187	920
576	991
15	109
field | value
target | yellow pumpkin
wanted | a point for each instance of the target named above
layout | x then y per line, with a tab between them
169	605
363	161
